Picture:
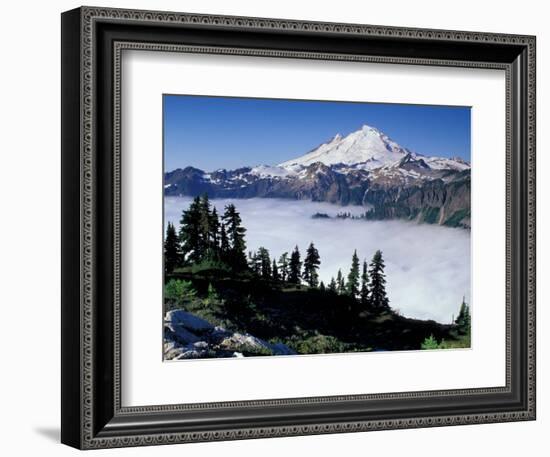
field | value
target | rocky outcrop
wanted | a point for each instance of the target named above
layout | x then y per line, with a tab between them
187	336
434	202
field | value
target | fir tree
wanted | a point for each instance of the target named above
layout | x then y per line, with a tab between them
352	284
295	266
189	233
463	320
224	243
311	265
254	263
235	234
322	287
340	284
284	266
377	291
264	261
205	230
275	271
214	233
211	294
364	292
172	250
332	287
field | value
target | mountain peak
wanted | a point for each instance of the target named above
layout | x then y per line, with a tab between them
368	148
367	145
370	129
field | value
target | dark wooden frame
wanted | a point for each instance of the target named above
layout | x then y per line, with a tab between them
92	40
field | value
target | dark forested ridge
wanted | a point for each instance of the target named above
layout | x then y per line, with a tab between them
223	300
437	197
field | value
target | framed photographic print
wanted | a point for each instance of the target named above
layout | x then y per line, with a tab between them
274	227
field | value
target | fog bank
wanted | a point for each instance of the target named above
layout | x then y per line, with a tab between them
427	266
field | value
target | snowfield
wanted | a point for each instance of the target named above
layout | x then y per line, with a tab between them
266	170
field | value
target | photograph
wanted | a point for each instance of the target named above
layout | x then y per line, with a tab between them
295	227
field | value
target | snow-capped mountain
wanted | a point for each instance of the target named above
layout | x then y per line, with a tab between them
367	148
365	167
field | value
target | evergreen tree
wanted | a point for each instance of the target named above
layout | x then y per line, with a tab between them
295	266
332	287
311	265
235	233
172	250
284	266
205	230
211	294
364	292
322	287
189	233
340	284
352	285
254	263
275	271
214	233
264	261
224	243
377	292
463	319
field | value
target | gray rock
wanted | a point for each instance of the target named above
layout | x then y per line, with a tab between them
200	345
172	350
182	318
218	334
239	342
179	334
191	354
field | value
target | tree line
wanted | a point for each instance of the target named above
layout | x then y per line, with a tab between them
366	283
206	236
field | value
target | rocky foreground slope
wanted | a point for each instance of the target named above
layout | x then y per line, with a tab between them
189	337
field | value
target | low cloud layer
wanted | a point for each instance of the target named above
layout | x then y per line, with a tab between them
427	266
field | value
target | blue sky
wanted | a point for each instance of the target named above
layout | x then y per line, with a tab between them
224	132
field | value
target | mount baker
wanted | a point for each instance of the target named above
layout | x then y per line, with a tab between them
365	167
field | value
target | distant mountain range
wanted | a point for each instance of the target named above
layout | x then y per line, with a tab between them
364	168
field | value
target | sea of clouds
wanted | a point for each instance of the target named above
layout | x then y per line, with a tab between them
427	266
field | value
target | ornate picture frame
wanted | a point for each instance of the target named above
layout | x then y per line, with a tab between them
93	415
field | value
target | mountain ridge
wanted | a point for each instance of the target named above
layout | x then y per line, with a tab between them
364	167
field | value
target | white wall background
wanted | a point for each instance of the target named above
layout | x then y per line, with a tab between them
30	240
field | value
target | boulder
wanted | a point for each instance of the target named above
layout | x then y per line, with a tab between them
179	334
239	342
200	345
182	318
172	350
218	334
